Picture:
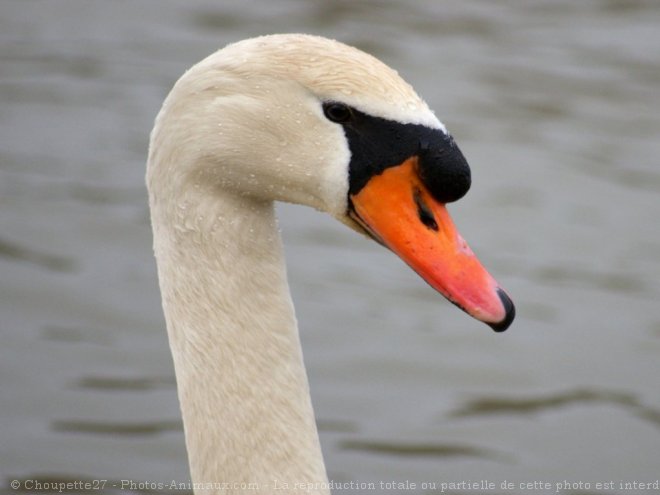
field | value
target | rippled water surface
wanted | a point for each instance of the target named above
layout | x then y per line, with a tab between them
556	105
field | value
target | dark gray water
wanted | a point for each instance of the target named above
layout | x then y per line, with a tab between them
556	104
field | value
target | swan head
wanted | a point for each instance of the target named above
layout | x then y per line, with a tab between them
309	120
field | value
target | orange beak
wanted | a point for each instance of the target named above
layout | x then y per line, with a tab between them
397	210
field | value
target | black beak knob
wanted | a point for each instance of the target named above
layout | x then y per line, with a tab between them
444	170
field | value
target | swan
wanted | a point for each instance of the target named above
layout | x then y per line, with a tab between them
306	120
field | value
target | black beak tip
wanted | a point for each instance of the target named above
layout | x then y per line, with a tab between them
510	312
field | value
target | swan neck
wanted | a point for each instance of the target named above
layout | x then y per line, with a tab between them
241	380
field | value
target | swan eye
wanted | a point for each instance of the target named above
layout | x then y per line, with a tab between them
337	112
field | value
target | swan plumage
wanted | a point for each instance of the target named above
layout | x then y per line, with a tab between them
306	120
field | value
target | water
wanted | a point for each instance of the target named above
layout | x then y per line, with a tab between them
555	105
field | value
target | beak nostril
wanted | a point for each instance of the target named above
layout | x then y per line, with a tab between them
424	211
